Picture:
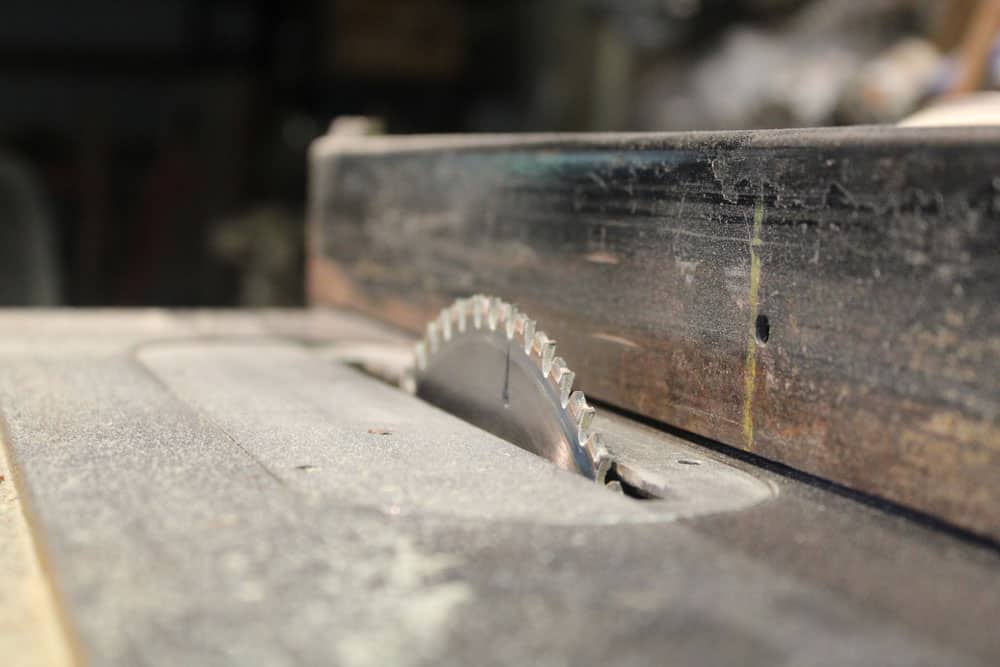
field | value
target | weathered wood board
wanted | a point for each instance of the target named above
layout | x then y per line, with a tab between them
823	298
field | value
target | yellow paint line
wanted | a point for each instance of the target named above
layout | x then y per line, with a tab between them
750	369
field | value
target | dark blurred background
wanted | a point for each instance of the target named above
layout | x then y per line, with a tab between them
152	152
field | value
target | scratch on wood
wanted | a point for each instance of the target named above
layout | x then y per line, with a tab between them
611	338
750	370
597	179
602	257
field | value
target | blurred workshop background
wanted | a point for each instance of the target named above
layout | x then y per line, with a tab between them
152	152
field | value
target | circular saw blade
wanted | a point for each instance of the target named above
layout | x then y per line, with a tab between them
483	361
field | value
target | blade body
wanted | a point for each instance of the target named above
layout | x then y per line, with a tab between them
483	361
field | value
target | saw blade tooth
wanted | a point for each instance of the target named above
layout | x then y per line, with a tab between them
561	378
478	302
558	368
445	323
420	354
586	419
493	316
600	455
581	412
509	317
546	348
461	316
529	334
566	386
548	354
433	338
537	342
518	323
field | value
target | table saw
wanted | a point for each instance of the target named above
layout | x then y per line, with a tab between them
698	399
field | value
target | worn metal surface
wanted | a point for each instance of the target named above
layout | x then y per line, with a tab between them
823	298
212	495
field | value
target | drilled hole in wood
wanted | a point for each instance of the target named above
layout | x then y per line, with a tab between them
762	328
